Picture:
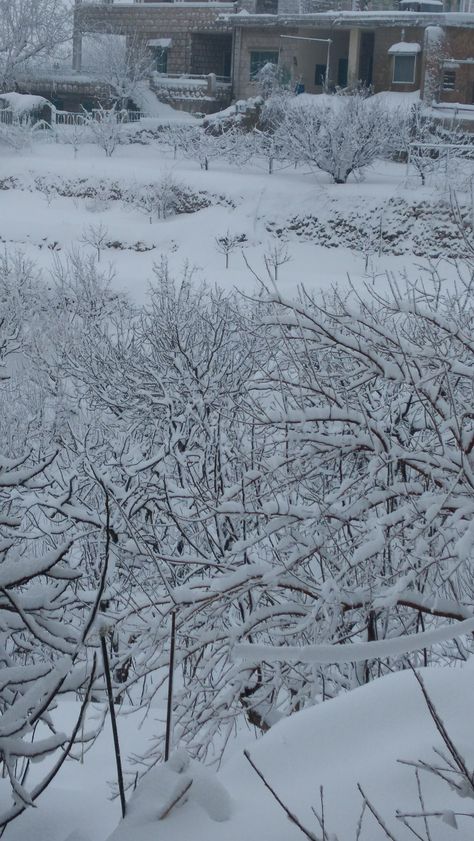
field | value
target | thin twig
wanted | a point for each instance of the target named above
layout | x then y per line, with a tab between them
376	814
289	814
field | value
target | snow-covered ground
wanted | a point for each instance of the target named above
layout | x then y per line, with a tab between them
363	230
295	204
356	738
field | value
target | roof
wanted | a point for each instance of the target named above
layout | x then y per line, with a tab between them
404	48
349	20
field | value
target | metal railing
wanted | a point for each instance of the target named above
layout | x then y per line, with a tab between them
77	118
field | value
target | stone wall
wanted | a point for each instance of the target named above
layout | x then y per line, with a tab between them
69	95
383	62
211	53
305	7
157	20
193	95
460	45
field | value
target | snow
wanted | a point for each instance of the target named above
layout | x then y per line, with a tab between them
159	42
404	48
356	738
422	3
23	103
180	779
356	653
47	224
47	209
149	104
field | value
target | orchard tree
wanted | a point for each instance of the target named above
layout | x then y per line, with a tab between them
340	136
123	63
340	523
47	603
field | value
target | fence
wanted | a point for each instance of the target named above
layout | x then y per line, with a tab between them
452	162
75	118
6	116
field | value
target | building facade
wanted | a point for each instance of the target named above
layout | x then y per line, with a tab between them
318	44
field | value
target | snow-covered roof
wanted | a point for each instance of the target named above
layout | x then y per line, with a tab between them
422	3
404	48
164	43
349	19
23	103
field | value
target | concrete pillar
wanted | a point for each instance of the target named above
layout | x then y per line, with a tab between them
77	38
235	69
211	85
434	51
353	58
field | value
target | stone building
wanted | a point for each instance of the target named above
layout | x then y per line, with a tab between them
205	53
185	41
392	50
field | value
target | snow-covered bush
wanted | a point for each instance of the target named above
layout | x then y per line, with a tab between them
21	134
43	617
207	144
107	128
158	200
428	145
339	134
272	80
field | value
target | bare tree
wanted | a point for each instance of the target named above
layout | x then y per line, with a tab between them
96	236
341	136
122	63
227	243
106	125
30	30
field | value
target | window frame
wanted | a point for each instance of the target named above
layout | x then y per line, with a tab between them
160	57
447	86
404	81
322	75
253	74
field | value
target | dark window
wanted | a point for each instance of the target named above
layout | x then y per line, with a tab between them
449	80
260	58
342	72
266	7
160	55
404	69
320	74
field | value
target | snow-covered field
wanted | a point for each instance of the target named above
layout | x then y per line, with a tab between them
357	738
371	229
381	225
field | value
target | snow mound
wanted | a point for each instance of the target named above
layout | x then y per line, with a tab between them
355	738
151	106
165	790
24	103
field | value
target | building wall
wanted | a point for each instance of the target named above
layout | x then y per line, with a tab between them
246	41
383	62
298	56
460	45
160	20
211	53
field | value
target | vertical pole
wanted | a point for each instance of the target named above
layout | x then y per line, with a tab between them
472	206
113	720
77	37
326	81
169	708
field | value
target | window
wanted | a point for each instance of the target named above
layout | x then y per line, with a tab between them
320	74
260	58
160	56
404	69
449	80
266	7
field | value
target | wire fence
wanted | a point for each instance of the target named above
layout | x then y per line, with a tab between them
448	165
